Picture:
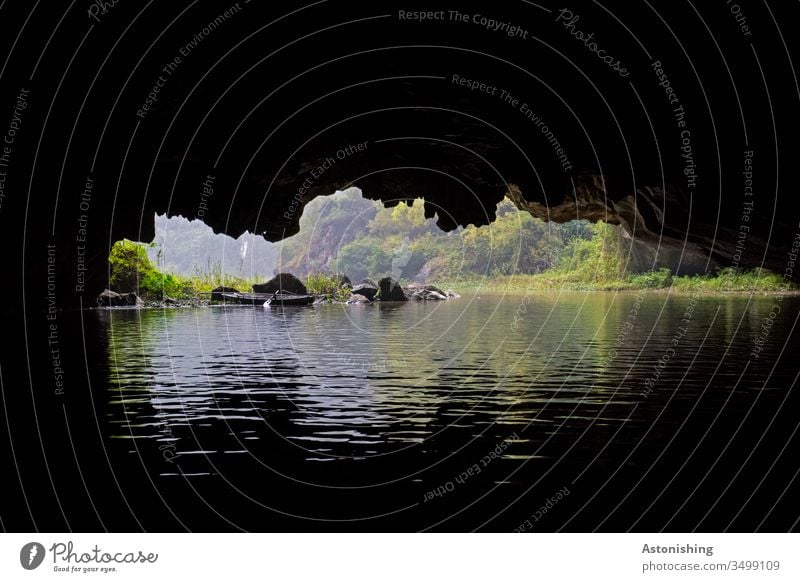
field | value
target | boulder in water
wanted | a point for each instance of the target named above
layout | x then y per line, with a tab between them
433	296
425	293
281	282
428	295
390	290
216	293
109	298
434	289
365	290
412	292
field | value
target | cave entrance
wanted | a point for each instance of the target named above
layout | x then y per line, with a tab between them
347	238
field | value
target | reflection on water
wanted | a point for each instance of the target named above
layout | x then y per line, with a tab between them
343	384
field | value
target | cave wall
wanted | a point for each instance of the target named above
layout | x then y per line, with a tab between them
278	104
224	111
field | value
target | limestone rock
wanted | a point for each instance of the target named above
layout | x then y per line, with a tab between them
390	290
109	298
281	282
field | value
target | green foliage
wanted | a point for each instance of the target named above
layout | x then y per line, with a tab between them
363	258
329	286
725	281
129	265
133	271
158	284
653	280
400	242
733	280
597	259
203	281
346	233
328	224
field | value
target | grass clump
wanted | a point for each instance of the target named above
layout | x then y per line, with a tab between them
329	286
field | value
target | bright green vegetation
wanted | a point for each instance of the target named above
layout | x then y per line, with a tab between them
132	270
345	233
327	285
724	281
728	280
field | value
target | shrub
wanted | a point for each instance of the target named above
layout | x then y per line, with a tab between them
328	285
653	280
132	271
130	266
161	285
758	280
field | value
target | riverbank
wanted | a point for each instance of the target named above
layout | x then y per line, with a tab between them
726	281
196	291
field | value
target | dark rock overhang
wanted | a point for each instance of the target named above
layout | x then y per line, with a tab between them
281	104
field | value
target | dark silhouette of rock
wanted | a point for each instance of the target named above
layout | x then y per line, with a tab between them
109	298
390	290
216	293
366	290
281	282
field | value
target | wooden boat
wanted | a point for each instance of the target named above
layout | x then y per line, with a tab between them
286	299
268	298
246	298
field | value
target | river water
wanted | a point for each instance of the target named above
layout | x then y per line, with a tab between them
540	411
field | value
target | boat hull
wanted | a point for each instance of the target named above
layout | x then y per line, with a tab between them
283	299
290	301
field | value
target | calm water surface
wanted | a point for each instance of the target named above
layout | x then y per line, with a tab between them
354	414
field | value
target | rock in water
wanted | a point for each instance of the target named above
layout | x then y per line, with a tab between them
109	298
452	294
390	290
365	290
216	293
281	282
435	289
433	295
426	295
412	292
356	298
